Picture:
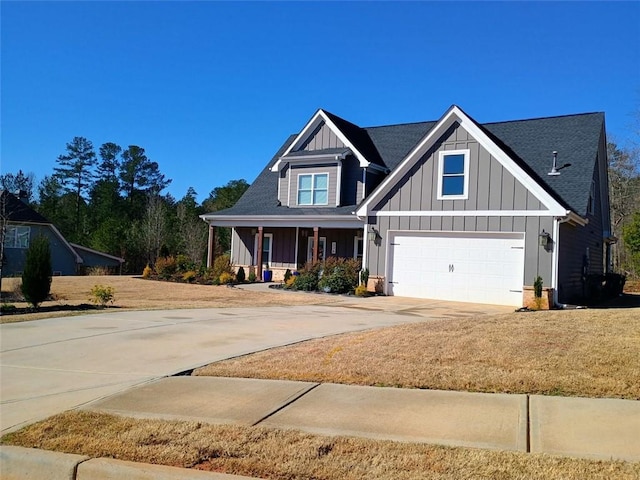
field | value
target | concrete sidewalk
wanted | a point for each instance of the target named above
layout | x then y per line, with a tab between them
580	427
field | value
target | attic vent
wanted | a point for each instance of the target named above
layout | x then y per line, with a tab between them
554	169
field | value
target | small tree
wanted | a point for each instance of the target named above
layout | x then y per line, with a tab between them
36	277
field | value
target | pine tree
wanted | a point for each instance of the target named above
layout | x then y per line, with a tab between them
36	277
75	173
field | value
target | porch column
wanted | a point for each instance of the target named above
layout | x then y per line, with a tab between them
259	253
316	241
212	246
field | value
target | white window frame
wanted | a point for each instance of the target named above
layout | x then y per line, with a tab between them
465	192
356	240
255	248
313	178
12	235
321	241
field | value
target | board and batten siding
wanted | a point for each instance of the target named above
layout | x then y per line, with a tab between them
491	188
292	185
282	248
322	137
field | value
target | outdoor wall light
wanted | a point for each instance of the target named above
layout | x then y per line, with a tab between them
544	239
373	234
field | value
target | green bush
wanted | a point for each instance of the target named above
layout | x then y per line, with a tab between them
101	295
252	276
184	264
287	275
537	287
339	275
36	277
307	281
240	276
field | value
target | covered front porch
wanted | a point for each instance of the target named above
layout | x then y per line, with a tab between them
282	247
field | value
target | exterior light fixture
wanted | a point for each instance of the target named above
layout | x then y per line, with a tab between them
544	239
373	234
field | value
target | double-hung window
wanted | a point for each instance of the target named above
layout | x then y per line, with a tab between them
453	175
313	189
17	237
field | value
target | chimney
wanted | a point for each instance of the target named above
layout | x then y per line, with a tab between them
24	196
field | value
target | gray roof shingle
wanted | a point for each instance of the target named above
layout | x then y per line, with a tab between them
530	143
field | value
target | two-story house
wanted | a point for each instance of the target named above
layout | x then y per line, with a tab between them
448	209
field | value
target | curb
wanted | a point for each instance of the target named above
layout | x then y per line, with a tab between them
19	463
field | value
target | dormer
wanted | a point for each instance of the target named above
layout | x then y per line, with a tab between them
323	166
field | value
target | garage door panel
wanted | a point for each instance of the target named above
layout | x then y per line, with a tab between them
459	267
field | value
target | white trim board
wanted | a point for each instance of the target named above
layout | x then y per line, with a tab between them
465	213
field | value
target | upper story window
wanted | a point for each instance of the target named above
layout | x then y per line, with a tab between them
313	189
17	237
453	175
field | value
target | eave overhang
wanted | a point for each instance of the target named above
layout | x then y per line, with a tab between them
303	221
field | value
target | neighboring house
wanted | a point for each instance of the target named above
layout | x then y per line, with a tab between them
24	224
449	209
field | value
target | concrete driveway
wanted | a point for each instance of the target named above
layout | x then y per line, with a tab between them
49	366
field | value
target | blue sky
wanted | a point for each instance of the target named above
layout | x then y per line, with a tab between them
212	89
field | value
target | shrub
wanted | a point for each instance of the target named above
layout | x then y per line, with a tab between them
166	267
240	276
289	282
537	287
287	275
364	276
226	278
98	271
7	307
189	276
252	275
306	281
184	263
221	264
36	277
339	275
147	272
337	281
361	291
101	295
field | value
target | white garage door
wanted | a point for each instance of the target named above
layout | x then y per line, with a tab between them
462	267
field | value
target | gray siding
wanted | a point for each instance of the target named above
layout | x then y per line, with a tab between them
491	186
292	184
582	250
322	137
62	259
538	261
351	183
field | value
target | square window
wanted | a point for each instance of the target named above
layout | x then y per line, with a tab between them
313	189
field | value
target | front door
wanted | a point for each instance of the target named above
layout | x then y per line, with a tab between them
321	250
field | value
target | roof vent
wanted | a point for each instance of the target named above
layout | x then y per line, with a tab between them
554	169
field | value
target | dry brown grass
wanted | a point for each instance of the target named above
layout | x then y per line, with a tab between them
135	293
591	353
290	455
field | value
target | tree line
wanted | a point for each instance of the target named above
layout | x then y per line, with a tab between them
113	201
